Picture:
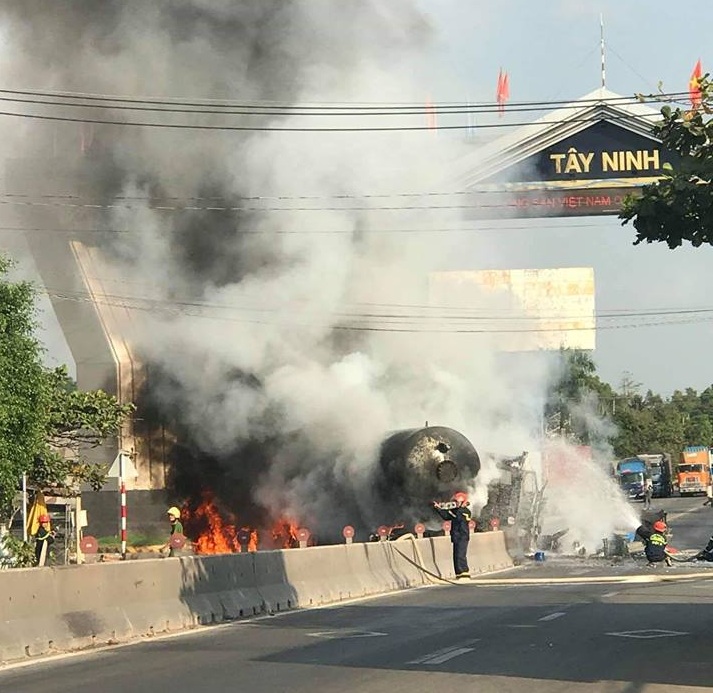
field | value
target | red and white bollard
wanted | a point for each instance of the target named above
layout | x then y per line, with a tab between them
122	491
348	534
303	535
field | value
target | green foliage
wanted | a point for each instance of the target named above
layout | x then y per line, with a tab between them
15	553
573	406
46	423
24	404
679	207
77	420
580	405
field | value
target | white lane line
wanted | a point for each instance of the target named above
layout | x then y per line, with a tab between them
448	655
552	617
443	655
607	595
519	625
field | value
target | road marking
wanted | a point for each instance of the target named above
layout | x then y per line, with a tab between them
440	656
648	634
520	625
681	513
343	634
609	594
552	617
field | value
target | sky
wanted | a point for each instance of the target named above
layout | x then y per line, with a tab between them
551	50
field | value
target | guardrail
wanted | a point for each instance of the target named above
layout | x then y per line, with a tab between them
50	610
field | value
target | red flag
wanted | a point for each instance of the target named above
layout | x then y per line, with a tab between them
431	120
694	88
502	93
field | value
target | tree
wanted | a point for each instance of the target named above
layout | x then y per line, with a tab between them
679	207
46	423
574	401
78	420
24	399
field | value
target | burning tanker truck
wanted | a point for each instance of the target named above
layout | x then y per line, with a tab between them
418	466
415	467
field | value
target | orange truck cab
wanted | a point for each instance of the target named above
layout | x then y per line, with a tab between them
693	472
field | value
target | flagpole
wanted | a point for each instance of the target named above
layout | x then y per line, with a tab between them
603	55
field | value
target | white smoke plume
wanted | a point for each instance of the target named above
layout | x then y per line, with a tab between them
280	348
583	498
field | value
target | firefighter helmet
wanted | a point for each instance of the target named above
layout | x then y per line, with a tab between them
44	517
460	497
173	511
659	526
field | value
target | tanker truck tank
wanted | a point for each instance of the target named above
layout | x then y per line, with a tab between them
419	465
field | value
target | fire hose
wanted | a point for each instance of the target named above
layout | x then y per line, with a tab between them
420	564
678	557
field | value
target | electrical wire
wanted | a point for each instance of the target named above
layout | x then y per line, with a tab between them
508	205
392	330
282	198
99	100
384	318
270	128
312	231
294	112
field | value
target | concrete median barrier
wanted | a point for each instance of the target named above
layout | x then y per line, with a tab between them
49	610
487	552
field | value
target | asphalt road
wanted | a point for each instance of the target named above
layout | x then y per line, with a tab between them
690	520
550	636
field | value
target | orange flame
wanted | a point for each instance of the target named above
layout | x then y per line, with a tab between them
216	531
284	534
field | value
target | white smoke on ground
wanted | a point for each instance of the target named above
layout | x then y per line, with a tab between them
289	326
582	497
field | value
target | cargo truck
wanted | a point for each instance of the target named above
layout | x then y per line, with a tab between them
693	472
660	473
633	472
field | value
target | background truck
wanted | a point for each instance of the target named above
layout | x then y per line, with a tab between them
659	470
632	473
694	470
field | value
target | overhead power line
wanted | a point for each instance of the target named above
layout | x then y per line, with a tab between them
106	100
270	128
451	315
22	197
291	323
313	231
505	205
294	111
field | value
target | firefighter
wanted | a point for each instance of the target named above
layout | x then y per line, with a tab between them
459	517
655	543
43	540
174	517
